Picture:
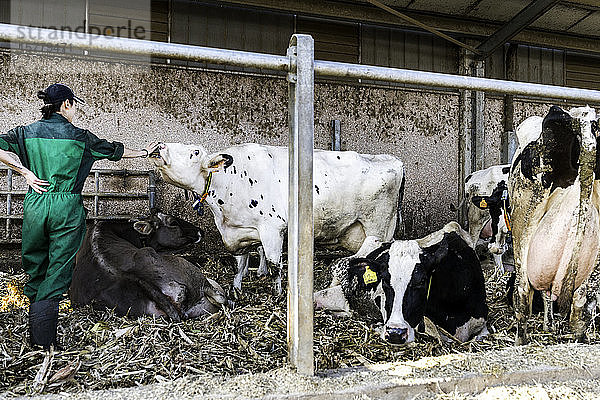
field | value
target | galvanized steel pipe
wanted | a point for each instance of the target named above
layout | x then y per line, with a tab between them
79	40
383	74
86	41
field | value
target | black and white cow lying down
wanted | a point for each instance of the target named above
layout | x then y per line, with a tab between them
438	276
119	267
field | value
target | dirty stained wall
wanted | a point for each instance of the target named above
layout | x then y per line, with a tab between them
138	103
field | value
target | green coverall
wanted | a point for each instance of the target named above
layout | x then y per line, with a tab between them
54	222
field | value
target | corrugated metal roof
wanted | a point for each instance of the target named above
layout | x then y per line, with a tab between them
558	24
580	17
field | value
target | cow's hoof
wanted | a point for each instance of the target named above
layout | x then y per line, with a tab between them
262	271
277	288
520	340
237	283
548	327
581	337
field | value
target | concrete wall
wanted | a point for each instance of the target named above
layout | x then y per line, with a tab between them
135	104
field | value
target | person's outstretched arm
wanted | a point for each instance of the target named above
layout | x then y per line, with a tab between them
145	152
15	164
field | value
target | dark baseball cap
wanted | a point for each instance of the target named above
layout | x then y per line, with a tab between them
57	93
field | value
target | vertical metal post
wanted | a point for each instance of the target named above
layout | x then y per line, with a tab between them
336	135
152	190
9	177
86	21
478	135
300	201
169	24
465	165
509	138
97	190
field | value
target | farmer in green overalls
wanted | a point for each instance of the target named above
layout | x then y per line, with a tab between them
54	157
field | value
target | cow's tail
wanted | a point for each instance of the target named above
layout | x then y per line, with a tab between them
399	233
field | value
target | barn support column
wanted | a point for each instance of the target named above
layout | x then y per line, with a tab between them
471	137
478	120
300	218
464	139
509	138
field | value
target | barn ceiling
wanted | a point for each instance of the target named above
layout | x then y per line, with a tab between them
574	17
572	24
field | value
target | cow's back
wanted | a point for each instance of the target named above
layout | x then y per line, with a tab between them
350	190
103	248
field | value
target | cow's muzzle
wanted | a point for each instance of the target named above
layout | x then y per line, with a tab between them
156	152
397	335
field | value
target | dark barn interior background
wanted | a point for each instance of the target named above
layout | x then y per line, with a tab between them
441	135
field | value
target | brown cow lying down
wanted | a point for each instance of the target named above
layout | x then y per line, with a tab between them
118	267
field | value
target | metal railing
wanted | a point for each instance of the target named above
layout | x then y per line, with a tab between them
96	194
301	67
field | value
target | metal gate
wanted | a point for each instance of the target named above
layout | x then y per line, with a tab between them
96	196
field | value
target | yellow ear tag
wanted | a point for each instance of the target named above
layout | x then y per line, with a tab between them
369	276
483	203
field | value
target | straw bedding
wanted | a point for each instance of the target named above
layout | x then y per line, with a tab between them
101	350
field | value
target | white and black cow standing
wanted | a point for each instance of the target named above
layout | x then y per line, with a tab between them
355	195
555	200
438	276
487	220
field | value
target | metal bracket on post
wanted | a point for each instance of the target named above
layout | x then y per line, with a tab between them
152	190
300	201
336	135
512	145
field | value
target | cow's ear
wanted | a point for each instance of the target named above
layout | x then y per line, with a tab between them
143	227
367	272
431	259
224	160
481	201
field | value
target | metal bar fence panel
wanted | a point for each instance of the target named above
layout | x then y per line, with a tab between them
96	194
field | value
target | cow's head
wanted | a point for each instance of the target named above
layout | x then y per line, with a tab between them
165	232
496	204
400	289
182	165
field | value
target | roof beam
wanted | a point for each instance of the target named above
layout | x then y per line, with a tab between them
422	25
524	18
591	3
366	13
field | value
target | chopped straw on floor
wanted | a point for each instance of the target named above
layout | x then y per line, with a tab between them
105	351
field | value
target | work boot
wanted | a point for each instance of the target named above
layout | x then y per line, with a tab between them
43	319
